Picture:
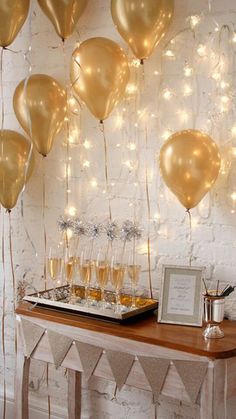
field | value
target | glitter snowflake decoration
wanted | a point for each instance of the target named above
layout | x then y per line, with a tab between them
65	223
130	230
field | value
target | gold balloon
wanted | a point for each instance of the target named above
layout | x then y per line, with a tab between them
13	14
64	14
142	23
40	107
99	75
14	155
190	163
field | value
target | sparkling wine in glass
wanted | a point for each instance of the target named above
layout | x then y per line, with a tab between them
133	274
85	272
54	265
117	272
69	273
102	275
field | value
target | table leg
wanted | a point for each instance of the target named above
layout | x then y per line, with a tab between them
74	394
21	385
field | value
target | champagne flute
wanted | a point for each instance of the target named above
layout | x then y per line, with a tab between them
102	275
117	272
69	273
134	270
54	265
85	273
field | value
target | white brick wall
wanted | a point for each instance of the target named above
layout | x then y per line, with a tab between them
214	226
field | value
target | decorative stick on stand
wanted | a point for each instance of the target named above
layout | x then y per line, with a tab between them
213	316
214	307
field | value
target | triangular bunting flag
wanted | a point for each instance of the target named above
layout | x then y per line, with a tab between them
59	345
155	370
121	364
32	334
89	356
192	374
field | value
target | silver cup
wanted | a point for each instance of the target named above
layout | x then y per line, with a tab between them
214	308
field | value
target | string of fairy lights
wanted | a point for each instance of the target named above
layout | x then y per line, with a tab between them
180	79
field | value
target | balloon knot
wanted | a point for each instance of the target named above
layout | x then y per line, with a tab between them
188	210
63	40
44	155
9	211
142	61
101	121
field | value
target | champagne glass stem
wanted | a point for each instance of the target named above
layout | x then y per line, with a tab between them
86	295
133	297
117	300
103	298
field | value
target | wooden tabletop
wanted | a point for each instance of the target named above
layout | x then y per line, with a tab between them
181	338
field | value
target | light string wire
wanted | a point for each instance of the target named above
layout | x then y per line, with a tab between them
67	126
3	316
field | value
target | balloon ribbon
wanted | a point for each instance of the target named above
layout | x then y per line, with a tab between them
149	217
106	166
13	273
190	236
3	321
44	228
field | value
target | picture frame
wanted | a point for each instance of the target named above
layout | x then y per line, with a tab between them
181	300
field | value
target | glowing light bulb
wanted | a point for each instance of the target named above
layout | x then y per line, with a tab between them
194	20
131	89
188	71
93	183
135	63
86	163
202	50
156	73
183	114
224	84
71	211
167	94
225	99
129	164
169	54
119	121
87	144
74	136
233	150
188	90
233	131
234	37
69	234
233	196
216	75
131	146
166	134
156	216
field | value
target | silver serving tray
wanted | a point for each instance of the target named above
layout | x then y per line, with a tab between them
59	299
